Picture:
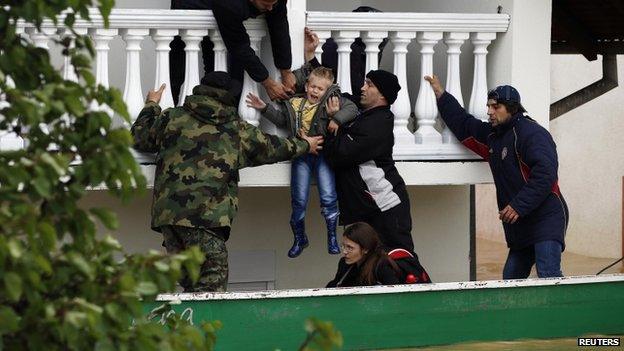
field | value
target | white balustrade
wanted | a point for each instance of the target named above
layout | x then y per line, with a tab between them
478	97
427	143
344	39
372	40
162	38
192	38
41	38
133	93
403	139
102	38
453	43
9	140
426	109
220	52
69	72
249	85
323	35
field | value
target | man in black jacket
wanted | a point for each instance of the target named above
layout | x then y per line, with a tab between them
368	184
230	15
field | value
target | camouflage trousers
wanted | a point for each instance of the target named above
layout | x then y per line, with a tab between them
214	271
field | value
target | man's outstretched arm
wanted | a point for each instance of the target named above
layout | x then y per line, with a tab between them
470	131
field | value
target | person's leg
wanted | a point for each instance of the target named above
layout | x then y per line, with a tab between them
174	244
548	259
213	274
329	201
300	175
519	263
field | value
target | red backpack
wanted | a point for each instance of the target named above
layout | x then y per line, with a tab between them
411	271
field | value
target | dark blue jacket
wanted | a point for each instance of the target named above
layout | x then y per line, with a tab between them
523	159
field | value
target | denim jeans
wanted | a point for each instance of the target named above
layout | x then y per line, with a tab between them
546	255
302	170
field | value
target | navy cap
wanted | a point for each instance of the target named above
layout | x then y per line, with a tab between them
503	93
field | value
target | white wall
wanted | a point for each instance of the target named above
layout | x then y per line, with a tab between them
591	162
262	224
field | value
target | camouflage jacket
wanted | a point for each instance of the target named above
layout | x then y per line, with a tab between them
199	149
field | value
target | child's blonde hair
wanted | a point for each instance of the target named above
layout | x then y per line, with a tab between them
323	72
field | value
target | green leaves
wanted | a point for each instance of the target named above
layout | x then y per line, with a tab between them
63	287
107	217
9	320
321	336
13	286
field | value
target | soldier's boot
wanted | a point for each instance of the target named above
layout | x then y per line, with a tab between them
301	239
332	243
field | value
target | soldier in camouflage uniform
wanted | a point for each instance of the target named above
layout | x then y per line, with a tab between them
200	148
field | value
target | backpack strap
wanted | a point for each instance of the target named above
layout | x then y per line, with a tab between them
398	254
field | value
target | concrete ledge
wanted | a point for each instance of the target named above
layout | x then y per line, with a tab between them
414	173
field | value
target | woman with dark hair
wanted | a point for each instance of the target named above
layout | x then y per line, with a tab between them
364	260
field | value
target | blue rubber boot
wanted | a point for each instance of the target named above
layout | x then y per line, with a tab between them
332	243
301	240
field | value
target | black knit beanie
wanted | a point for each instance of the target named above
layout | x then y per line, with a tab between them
387	83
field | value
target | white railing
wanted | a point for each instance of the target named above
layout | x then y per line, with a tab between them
427	29
428	142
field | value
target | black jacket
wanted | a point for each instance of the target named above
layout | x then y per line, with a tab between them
367	181
230	15
348	275
523	159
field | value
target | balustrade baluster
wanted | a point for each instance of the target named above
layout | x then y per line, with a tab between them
69	73
162	38
192	38
478	96
133	93
102	37
249	85
372	41
453	42
323	35
41	38
344	39
9	140
426	109
220	52
403	139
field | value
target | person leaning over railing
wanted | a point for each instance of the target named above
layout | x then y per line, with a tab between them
230	15
523	159
200	148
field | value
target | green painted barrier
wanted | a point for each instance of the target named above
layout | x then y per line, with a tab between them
409	316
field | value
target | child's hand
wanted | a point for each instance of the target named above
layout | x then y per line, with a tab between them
332	106
332	127
254	101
